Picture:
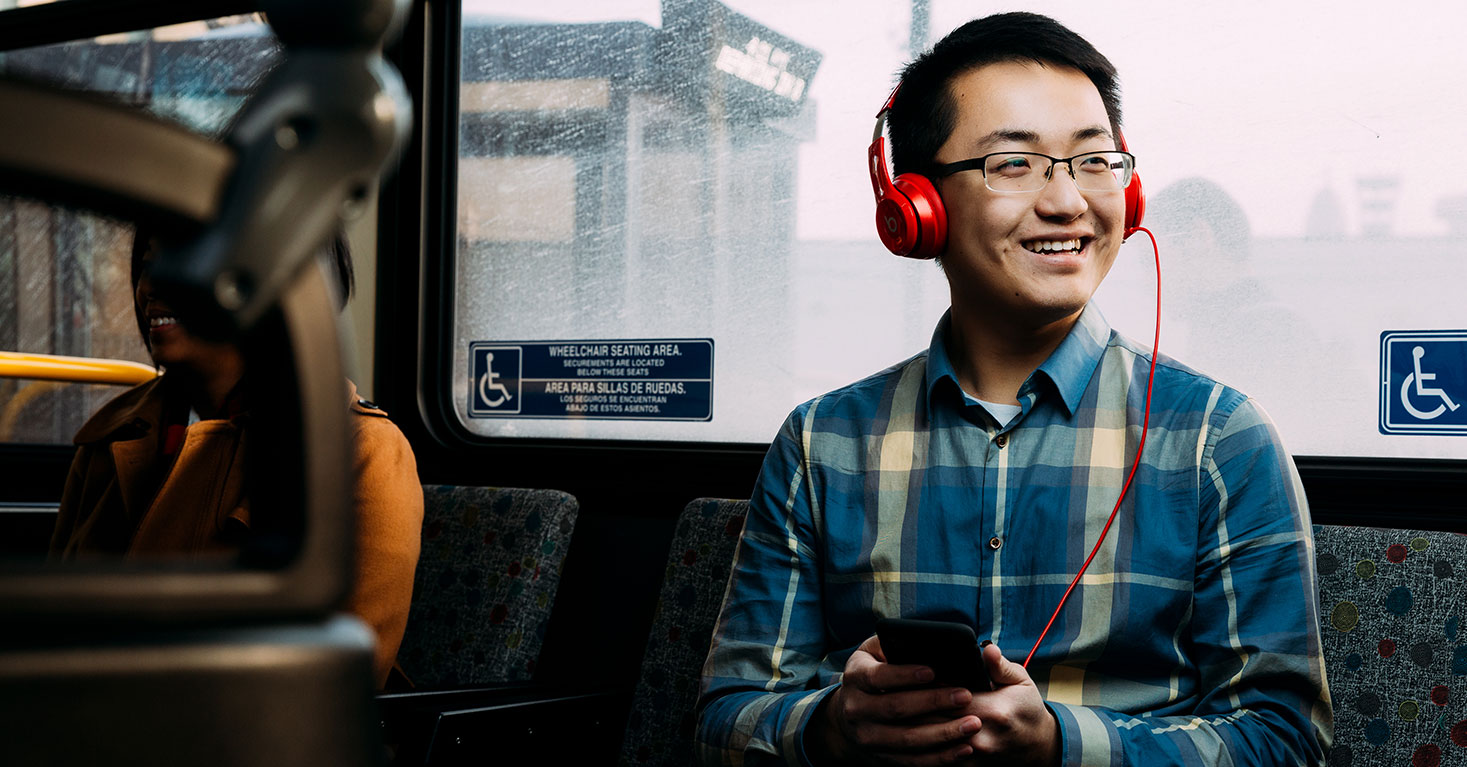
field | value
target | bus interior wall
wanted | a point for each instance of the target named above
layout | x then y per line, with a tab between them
629	494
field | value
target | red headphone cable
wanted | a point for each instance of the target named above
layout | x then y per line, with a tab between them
1135	462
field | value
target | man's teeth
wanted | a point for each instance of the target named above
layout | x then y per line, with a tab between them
1052	246
158	322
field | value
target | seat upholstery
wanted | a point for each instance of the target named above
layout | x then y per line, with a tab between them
485	583
661	722
1395	645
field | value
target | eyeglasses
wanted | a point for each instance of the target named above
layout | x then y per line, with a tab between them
1029	171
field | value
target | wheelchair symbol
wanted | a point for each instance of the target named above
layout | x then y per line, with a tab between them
1419	379
489	382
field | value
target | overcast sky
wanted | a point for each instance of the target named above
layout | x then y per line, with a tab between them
1274	101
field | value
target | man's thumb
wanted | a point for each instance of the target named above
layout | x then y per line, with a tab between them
1000	669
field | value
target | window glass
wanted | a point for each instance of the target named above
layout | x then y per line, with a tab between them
65	284
64	289
705	163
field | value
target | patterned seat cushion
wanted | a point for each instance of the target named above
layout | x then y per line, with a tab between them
485	584
660	725
1395	644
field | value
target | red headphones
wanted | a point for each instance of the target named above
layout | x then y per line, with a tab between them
910	217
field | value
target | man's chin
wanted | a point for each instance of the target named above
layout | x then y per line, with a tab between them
1060	314
1045	311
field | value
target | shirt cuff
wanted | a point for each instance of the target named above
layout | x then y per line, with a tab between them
799	721
1086	739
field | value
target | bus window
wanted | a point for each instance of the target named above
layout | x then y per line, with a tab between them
690	177
197	73
63	290
64	278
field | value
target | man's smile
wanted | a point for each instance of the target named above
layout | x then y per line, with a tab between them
1072	245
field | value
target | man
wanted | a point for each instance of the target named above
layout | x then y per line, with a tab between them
970	483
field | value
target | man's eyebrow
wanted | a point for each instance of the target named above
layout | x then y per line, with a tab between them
1020	136
1094	131
1007	135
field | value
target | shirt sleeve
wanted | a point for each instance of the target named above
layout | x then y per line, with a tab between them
760	683
1254	634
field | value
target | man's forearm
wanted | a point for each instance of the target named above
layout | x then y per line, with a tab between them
1101	736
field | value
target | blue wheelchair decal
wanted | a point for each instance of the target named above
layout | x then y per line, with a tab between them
494	388
1423	382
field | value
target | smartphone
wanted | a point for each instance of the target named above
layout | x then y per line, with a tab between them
949	649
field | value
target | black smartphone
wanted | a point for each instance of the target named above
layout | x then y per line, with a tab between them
949	649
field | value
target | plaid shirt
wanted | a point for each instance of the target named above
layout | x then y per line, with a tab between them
1192	639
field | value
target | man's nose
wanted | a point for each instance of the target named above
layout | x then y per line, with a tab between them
1061	198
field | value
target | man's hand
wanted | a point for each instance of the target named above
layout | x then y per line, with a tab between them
882	714
1017	728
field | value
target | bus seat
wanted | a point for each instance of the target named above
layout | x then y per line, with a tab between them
661	722
485	583
1392	613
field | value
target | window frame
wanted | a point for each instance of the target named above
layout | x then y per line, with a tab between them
36	473
415	314
61	22
417	220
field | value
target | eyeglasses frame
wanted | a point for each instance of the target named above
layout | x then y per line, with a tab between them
978	163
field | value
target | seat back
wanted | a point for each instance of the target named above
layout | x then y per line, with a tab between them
485	583
1395	643
661	722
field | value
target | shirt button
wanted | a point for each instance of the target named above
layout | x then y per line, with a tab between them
995	542
1002	440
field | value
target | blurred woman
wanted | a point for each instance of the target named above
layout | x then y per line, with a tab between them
159	471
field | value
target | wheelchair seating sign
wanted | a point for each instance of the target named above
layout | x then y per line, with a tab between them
664	379
1423	382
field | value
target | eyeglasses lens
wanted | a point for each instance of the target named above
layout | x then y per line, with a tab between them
1028	172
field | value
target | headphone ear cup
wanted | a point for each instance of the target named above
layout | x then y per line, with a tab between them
1135	206
896	222
912	222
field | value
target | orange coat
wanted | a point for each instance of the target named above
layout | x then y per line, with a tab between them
123	499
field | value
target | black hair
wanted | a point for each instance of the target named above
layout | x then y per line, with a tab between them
337	251
924	113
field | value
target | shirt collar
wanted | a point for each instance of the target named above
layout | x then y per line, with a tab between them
1069	367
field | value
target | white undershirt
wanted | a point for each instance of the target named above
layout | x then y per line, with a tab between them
1001	413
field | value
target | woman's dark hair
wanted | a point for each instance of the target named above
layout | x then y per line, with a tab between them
337	251
924	113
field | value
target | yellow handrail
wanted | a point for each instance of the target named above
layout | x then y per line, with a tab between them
54	367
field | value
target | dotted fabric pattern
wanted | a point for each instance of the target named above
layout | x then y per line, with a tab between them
485	584
661	722
1395	644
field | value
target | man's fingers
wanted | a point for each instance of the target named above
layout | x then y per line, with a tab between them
900	705
933	742
872	647
867	671
885	676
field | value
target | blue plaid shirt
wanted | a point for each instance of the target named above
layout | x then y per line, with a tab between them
1193	638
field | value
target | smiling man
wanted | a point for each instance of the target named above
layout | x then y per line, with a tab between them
970	483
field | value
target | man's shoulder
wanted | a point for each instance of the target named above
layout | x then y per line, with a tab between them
1178	384
835	428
